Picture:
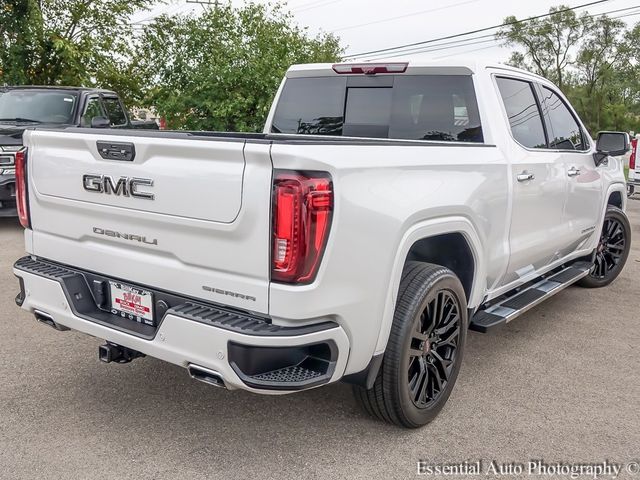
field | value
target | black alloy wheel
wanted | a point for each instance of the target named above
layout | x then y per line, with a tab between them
612	251
434	347
424	350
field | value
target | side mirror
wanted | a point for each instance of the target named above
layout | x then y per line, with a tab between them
100	122
611	144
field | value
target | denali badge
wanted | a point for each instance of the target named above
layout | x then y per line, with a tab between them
125	236
124	186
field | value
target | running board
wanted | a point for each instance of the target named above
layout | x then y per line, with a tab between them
515	305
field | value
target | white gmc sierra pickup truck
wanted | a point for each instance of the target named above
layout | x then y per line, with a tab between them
385	210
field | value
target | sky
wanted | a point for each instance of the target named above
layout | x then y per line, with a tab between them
369	25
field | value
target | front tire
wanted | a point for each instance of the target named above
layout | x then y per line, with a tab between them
612	251
424	352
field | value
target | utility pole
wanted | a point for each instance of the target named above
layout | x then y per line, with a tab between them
206	3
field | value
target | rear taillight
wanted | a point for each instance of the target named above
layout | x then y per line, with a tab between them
632	159
302	209
21	188
369	68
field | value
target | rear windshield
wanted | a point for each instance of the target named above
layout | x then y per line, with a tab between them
412	107
41	106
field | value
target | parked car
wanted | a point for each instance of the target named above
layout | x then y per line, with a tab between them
24	107
386	209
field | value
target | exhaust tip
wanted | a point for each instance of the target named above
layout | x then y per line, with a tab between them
207	376
48	320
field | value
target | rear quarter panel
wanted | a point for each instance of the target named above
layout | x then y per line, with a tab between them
387	197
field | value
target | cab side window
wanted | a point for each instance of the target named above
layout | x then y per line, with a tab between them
523	111
564	132
92	109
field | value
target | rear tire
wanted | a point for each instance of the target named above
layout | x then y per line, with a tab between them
424	351
612	251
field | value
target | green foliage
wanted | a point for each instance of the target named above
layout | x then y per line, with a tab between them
547	41
67	42
220	70
592	59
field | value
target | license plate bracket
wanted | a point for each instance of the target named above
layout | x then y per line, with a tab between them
134	303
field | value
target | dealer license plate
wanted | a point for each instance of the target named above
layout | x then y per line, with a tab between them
132	302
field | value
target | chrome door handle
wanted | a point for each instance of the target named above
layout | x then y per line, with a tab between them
525	176
573	171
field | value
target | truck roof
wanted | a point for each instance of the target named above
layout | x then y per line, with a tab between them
56	87
468	66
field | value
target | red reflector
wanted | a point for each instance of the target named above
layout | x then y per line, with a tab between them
632	159
21	188
369	68
302	209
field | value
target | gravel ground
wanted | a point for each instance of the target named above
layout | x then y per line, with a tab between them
561	383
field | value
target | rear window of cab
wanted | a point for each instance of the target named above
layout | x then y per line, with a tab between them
407	107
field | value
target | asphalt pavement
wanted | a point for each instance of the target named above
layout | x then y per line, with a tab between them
561	383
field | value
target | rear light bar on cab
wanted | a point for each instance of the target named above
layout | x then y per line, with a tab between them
302	211
369	68
21	188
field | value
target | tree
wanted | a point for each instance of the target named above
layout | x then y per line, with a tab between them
72	42
592	59
221	70
547	42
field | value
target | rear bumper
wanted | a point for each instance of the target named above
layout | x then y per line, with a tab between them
247	352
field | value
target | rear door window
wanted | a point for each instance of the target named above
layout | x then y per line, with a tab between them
412	107
565	132
92	110
523	111
115	112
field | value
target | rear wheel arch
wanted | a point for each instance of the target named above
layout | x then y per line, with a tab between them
450	250
416	244
615	199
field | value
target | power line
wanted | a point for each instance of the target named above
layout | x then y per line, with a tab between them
313	5
206	3
435	48
465	52
486	29
170	11
474	40
452	44
413	14
306	4
627	15
614	11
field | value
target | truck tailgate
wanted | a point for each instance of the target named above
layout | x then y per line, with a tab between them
205	232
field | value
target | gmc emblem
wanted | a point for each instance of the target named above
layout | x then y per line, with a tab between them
124	186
